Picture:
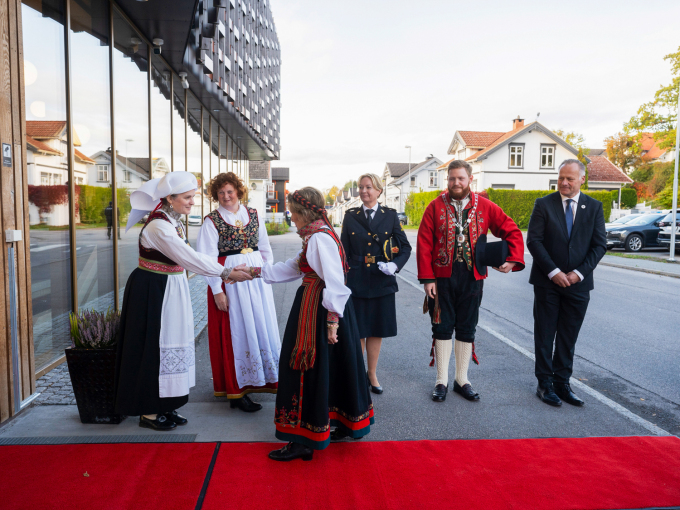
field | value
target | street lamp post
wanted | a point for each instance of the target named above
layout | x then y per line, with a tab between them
403	205
671	257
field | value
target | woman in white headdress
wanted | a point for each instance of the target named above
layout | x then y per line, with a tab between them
155	361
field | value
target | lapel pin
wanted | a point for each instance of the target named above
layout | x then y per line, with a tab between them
583	207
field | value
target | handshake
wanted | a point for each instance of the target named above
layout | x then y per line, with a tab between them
241	273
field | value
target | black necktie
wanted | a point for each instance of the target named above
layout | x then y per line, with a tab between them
569	216
369	215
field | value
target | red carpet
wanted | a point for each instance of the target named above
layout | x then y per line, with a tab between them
121	476
536	474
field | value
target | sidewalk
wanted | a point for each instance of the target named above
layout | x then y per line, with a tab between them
648	266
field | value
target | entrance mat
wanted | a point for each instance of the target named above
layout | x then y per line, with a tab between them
103	476
537	474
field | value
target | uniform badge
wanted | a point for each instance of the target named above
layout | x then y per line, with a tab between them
583	207
395	249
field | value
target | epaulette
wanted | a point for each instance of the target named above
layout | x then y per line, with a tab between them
353	209
388	208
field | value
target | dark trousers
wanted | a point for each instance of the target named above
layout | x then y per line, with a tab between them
558	316
459	299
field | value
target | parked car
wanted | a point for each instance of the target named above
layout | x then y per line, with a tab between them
622	221
195	219
403	219
665	234
639	233
666	220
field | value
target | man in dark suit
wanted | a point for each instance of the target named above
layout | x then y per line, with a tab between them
566	239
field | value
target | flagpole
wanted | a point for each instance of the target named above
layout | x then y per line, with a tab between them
674	209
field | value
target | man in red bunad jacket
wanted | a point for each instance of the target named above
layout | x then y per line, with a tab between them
453	279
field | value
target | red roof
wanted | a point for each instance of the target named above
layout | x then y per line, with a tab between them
42	147
49	129
82	157
650	145
479	138
600	169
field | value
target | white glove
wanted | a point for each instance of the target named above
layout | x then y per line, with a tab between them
388	268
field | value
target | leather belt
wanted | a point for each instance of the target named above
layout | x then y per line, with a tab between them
368	259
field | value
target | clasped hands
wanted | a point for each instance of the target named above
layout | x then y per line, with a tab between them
240	273
565	280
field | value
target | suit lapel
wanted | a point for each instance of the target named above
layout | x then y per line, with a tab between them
378	218
580	213
557	203
361	218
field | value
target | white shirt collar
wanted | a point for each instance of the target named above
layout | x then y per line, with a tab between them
374	208
574	198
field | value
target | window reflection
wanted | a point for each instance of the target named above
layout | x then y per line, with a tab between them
178	127
194	147
131	119
91	105
160	118
47	175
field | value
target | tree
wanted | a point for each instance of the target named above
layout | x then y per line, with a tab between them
660	115
582	158
623	149
349	185
331	194
573	138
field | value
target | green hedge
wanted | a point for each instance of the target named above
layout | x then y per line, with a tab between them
518	204
94	199
628	197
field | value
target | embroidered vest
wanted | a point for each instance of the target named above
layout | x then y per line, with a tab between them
462	251
153	260
237	238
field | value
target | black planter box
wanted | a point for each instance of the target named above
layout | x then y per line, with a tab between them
92	374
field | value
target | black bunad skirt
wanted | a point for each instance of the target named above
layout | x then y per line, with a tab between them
139	354
376	317
333	393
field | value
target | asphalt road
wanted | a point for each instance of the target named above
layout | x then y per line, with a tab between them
624	363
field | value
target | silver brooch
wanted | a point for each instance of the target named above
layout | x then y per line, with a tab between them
583	207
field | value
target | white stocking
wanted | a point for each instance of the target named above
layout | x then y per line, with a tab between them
462	352
442	355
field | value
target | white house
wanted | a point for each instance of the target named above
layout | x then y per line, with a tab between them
47	165
131	172
399	181
524	158
603	174
651	153
260	185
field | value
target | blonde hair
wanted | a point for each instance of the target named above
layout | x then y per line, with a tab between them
375	180
314	197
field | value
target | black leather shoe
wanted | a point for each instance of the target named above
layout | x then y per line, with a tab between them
375	389
339	435
466	391
245	404
546	393
439	393
563	391
176	418
292	451
161	423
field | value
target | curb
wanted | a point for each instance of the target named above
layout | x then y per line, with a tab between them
641	270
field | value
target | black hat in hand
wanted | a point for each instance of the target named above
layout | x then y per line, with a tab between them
490	254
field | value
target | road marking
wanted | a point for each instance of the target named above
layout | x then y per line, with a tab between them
48	247
574	382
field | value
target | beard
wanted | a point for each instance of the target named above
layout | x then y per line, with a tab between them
459	194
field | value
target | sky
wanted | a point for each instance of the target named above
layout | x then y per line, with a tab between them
362	80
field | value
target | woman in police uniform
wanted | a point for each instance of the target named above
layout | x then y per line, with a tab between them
376	247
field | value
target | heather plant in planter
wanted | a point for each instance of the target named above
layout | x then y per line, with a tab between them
92	364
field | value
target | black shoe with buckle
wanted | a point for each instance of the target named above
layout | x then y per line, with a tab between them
161	423
563	390
439	392
466	391
245	404
292	451
339	435
176	418
546	393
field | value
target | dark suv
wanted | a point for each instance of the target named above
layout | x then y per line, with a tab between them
403	219
639	233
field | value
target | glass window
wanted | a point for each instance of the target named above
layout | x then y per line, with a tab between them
214	161
516	156
433	179
547	156
45	96
178	127
160	118
194	147
131	107
102	173
224	154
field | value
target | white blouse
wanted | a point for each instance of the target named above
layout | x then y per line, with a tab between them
162	236
324	258
208	239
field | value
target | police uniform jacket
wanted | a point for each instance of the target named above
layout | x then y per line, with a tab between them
364	247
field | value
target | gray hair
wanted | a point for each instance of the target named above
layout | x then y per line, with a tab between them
581	166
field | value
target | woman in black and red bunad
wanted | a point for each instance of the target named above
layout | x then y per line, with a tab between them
322	377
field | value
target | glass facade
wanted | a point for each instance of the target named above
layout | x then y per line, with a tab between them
130	120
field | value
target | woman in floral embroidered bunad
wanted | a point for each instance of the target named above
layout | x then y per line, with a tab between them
155	359
322	377
243	331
